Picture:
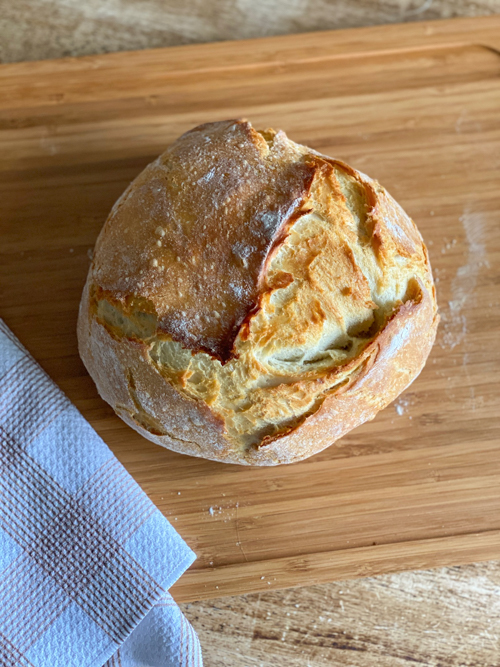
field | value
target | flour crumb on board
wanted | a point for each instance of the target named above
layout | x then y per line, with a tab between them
448	245
217	509
401	405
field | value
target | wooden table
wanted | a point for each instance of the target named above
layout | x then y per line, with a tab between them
446	617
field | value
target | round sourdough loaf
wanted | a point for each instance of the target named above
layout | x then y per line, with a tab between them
251	300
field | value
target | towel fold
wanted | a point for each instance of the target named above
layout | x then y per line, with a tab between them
86	559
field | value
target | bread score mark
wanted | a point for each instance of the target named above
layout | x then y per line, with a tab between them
220	201
328	382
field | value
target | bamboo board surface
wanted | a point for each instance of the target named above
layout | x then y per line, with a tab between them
415	106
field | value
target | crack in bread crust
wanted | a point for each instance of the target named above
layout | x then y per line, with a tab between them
214	244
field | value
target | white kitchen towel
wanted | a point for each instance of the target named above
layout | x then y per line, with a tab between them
86	559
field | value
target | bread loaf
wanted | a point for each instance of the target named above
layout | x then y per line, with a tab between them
251	301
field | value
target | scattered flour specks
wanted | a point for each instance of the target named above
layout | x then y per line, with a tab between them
453	314
401	405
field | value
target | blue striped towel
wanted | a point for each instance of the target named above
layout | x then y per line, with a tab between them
86	559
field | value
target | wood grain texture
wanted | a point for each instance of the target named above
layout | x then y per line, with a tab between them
38	29
444	617
415	106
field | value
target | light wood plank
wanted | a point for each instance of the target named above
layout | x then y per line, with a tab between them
416	107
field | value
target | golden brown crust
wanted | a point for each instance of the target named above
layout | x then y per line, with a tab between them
141	397
331	315
211	209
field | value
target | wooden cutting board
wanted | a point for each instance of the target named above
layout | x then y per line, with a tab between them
415	106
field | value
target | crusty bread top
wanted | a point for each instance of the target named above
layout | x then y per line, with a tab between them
193	232
263	308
